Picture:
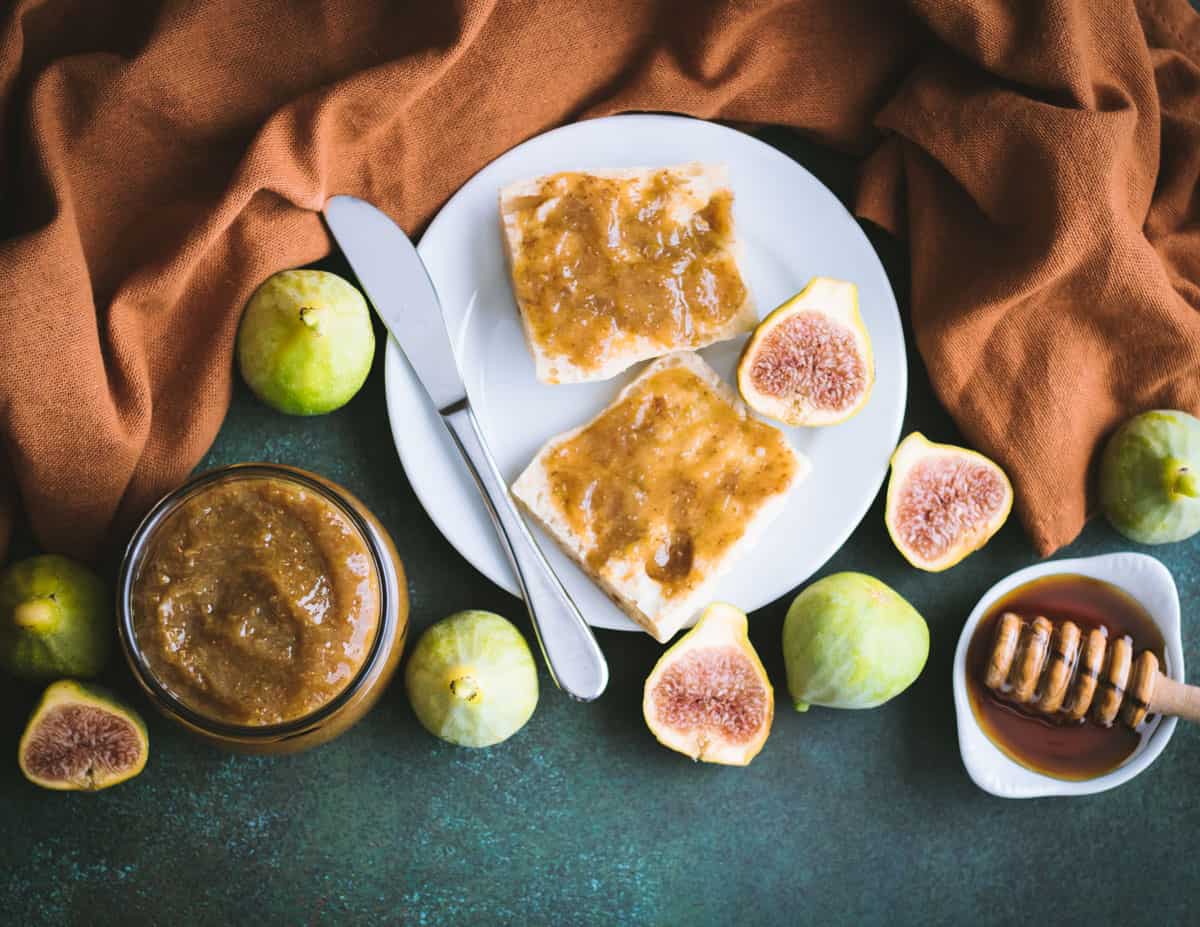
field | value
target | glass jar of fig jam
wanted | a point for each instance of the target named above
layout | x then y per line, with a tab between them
262	607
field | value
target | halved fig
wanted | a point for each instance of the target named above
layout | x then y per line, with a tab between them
943	502
708	696
809	362
81	738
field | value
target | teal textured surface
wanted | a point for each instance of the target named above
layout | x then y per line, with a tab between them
846	817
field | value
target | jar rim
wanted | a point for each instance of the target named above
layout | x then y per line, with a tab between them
135	552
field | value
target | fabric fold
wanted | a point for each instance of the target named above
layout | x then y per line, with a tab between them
162	158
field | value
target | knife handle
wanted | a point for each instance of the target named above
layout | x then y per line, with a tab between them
575	660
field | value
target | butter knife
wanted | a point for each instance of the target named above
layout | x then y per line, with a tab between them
398	286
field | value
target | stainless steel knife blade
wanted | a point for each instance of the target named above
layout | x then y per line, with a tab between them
398	285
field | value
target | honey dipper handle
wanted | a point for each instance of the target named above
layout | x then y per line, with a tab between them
1176	698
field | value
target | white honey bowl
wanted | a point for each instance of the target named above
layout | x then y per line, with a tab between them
1139	575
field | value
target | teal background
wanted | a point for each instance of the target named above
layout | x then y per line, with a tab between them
848	817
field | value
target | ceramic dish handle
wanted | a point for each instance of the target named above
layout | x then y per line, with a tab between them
576	663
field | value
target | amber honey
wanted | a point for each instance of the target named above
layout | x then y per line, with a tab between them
1080	750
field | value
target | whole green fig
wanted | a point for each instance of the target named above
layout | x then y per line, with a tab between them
305	342
850	641
1150	477
55	619
472	680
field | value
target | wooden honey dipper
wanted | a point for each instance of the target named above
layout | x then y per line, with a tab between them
1058	669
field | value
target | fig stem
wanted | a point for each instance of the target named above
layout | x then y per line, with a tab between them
1181	480
314	317
466	688
38	614
801	705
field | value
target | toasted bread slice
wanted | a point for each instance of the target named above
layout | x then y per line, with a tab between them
661	492
613	267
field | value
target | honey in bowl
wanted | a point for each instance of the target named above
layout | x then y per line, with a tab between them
1046	744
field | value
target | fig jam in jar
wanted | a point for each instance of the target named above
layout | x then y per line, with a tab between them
262	607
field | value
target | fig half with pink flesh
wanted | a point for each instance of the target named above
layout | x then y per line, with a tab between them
810	362
943	502
81	738
708	696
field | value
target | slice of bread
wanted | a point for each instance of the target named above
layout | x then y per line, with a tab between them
659	494
613	267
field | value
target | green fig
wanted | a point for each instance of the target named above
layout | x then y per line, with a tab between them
305	343
56	619
708	696
472	680
82	738
850	641
1150	477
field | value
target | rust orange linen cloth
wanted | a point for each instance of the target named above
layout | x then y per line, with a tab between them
161	158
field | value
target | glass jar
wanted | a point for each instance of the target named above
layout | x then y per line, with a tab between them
370	560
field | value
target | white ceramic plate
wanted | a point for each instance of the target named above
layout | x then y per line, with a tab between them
1141	576
792	227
